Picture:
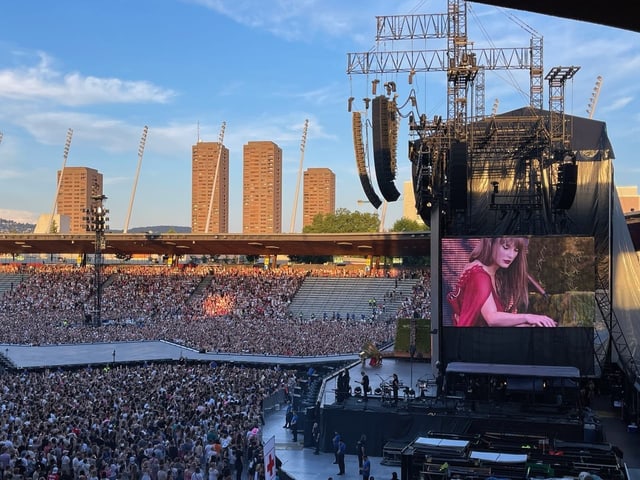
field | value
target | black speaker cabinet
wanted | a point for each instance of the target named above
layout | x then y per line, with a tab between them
458	176
381	123
567	185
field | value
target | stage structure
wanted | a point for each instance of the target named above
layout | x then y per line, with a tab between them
531	172
96	221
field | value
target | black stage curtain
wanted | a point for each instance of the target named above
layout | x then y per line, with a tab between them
570	346
383	426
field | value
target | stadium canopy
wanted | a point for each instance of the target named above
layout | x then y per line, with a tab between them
402	244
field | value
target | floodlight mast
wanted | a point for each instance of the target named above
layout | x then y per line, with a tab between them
215	176
591	109
67	145
295	199
143	141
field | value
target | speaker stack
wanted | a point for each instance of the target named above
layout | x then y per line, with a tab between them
567	186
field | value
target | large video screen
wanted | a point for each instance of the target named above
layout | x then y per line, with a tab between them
543	282
546	285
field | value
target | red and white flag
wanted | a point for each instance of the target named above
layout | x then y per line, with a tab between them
269	454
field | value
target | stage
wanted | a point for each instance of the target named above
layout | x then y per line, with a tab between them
458	411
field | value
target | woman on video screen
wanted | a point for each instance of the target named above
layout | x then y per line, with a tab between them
492	289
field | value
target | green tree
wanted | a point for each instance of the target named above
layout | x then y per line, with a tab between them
343	221
406	225
53	228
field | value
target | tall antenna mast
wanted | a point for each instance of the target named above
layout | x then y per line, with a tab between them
215	177
143	140
67	145
295	199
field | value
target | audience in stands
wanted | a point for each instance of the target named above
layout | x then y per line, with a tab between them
226	309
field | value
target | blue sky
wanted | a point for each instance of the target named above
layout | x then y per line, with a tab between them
183	67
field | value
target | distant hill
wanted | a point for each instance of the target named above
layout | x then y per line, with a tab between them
9	226
161	229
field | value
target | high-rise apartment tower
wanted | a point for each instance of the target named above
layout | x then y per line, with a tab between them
77	186
262	188
209	203
319	193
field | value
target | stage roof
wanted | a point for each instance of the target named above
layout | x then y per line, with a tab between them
616	13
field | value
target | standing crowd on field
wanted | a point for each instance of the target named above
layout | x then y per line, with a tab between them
150	422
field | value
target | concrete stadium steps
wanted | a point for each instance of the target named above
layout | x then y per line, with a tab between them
320	295
10	280
200	290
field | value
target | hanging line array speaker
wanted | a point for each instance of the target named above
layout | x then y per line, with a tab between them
385	139
358	145
421	173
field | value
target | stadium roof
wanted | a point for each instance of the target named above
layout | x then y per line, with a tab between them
355	244
398	244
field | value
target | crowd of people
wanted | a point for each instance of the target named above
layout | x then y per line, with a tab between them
149	422
169	421
215	309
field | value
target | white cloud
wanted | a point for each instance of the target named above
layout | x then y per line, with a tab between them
301	19
618	104
42	82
